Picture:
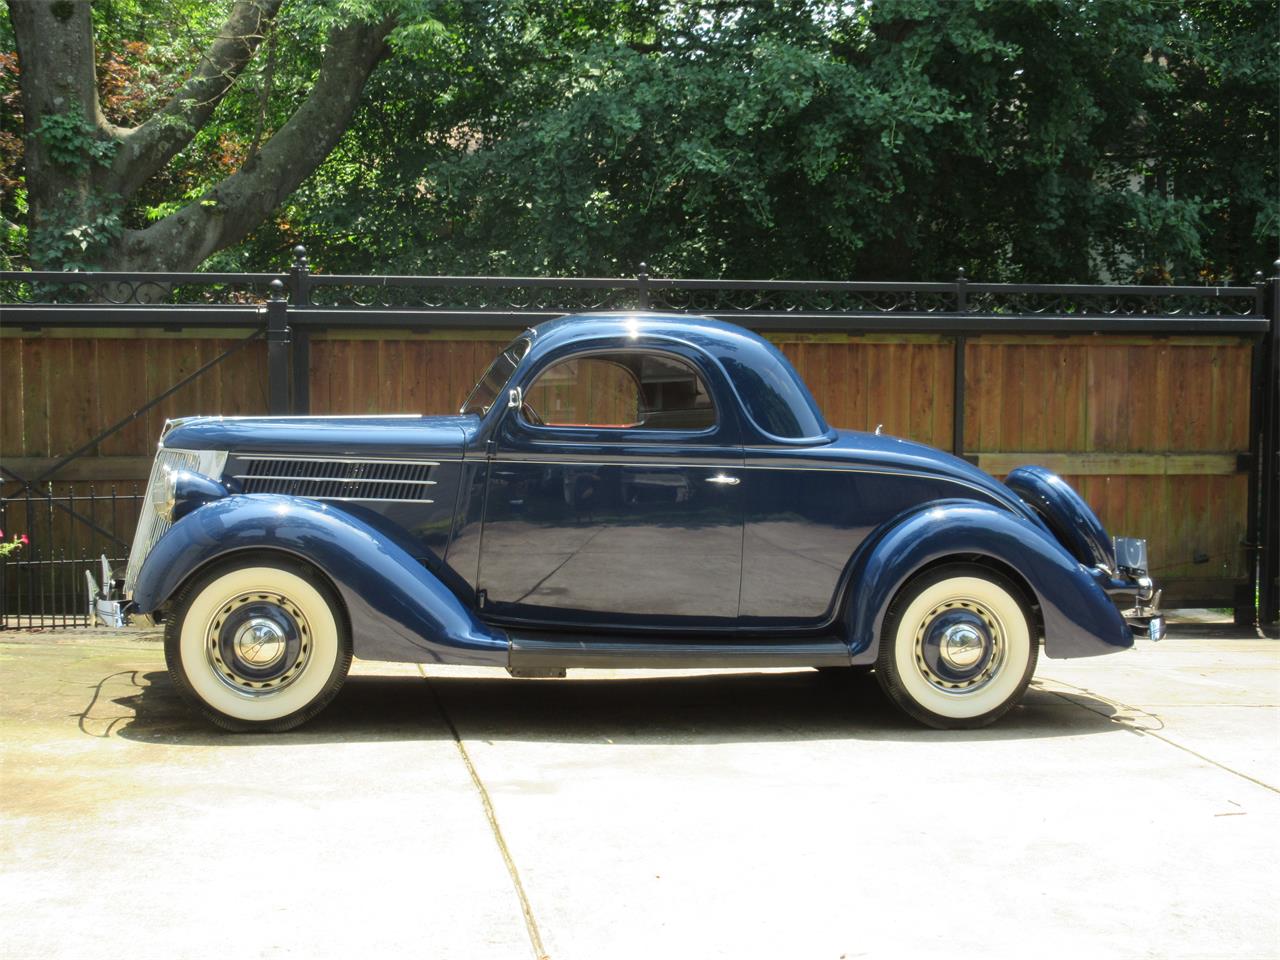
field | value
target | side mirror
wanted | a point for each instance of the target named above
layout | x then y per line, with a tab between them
515	399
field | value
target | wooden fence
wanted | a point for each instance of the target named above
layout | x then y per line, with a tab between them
1154	431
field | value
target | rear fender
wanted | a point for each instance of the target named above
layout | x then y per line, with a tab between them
1065	513
1079	619
399	609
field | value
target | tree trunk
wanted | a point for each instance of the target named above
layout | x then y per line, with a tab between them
55	51
68	191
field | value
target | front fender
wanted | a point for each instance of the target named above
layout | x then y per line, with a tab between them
399	609
1079	619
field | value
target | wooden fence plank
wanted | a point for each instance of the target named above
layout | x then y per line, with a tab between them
12	395
35	397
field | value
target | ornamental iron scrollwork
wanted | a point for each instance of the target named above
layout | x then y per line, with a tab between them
141	290
1142	302
487	294
540	296
818	299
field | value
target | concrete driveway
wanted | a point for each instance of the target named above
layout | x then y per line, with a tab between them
1129	808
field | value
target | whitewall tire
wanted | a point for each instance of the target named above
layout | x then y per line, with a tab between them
259	643
958	647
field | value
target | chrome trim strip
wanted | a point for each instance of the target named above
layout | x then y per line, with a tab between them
314	459
326	416
656	462
659	462
263	476
303	496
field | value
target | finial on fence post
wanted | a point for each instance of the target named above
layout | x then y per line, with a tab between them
962	291
277	289
1275	270
642	283
299	278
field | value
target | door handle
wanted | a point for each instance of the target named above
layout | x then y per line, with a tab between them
721	478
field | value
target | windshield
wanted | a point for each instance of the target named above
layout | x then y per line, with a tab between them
490	385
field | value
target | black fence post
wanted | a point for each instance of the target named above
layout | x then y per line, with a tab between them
957	386
300	299
277	350
1269	452
1246	594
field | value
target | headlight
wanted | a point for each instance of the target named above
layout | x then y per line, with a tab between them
162	489
164	493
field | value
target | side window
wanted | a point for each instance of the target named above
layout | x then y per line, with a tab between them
627	389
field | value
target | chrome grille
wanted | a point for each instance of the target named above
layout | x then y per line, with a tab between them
395	481
150	526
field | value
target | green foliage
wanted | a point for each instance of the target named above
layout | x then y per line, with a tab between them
1042	140
1045	140
77	232
72	143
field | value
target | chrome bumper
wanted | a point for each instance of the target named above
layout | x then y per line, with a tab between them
1144	615
1145	620
106	606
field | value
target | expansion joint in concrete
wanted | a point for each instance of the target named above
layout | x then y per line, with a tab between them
1125	708
530	922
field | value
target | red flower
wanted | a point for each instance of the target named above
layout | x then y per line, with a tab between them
23	539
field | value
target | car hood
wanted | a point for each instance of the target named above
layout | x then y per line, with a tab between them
409	437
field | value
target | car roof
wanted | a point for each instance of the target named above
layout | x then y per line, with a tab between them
758	372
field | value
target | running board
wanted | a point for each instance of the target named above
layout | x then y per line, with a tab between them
541	657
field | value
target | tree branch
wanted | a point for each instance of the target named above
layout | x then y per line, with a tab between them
228	212
145	149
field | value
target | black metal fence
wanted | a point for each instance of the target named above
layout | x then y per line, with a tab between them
288	307
43	586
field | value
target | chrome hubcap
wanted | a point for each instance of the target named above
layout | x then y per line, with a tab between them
258	643
960	646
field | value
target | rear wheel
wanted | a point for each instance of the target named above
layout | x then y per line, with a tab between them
258	644
958	648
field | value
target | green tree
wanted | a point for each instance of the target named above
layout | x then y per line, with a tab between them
1024	139
83	171
1029	140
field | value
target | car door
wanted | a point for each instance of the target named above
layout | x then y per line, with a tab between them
615	496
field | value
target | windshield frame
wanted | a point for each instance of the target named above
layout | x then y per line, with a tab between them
512	354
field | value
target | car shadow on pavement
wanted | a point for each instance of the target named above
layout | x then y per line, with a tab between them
706	708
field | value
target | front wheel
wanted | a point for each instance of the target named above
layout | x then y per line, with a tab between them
258	644
958	648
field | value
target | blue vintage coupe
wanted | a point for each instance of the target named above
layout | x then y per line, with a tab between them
619	490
